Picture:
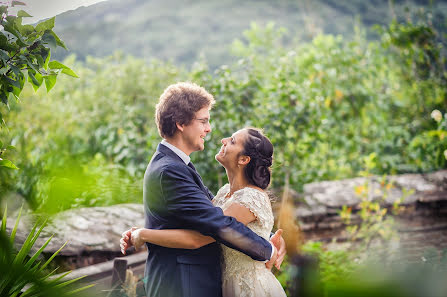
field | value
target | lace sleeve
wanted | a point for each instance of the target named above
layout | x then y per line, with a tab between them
257	202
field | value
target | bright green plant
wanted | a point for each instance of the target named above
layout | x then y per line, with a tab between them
325	105
431	145
23	275
335	265
25	52
374	224
88	142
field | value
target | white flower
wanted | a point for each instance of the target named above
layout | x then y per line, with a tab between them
436	115
445	154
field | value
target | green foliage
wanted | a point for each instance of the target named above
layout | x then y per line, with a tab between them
325	104
23	275
25	53
89	140
335	265
375	225
431	145
342	274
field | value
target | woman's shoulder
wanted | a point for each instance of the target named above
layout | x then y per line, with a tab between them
251	193
223	190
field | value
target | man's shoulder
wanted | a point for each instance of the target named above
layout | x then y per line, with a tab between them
162	163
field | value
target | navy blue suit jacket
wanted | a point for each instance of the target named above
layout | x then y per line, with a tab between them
176	198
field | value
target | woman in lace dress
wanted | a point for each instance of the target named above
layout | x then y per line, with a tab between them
246	157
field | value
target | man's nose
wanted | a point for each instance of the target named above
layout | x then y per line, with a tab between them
208	128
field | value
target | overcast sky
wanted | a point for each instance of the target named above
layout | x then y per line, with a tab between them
41	9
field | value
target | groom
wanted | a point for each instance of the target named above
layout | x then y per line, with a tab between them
176	198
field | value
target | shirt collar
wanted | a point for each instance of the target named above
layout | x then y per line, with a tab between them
185	158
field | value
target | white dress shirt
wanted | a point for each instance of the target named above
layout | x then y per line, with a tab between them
177	151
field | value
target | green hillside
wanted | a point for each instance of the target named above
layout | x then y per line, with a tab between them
185	30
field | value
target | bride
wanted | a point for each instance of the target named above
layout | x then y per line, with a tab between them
246	157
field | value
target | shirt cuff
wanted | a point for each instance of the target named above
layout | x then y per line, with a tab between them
271	254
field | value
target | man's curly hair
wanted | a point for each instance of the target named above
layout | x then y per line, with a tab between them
178	104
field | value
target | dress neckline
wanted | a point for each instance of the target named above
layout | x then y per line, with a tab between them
226	197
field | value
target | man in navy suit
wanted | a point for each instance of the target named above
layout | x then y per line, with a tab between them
176	198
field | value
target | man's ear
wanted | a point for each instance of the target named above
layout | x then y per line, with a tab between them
180	127
244	160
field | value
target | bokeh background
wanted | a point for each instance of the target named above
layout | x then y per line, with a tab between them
343	89
334	84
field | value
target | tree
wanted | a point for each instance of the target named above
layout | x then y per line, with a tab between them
25	53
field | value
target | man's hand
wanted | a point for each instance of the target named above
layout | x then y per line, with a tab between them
125	241
280	245
269	263
136	238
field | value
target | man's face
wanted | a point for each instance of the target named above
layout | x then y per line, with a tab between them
194	133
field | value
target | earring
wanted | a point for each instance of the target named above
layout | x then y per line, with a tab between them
238	166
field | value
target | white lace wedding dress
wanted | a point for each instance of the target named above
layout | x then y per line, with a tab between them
241	275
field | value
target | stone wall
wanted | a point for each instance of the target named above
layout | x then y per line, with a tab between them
422	223
92	234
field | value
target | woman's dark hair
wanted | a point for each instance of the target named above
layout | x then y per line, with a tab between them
260	150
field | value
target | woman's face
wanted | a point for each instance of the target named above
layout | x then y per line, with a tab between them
231	149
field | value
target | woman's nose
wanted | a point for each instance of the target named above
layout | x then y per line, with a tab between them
224	141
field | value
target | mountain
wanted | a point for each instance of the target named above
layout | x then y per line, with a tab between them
185	30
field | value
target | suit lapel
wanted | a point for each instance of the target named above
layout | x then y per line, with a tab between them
167	151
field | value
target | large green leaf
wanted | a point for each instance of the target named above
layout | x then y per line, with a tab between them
31	64
50	81
45	25
52	257
46	55
65	69
69	72
35	79
3	41
14	230
4	98
15	70
48	38
3	228
23	14
56	65
31	261
7	164
58	40
11	81
9	27
4	55
40	61
27	30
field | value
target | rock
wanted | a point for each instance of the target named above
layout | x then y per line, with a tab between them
324	197
98	229
86	229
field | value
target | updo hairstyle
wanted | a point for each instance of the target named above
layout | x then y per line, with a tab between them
260	150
